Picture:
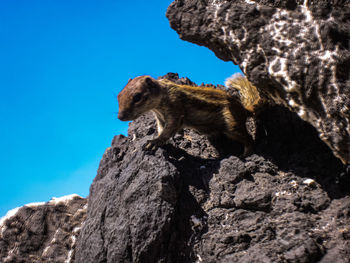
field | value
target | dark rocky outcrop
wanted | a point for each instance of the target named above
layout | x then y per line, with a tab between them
42	232
296	52
191	202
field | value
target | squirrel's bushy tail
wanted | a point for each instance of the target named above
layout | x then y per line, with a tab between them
249	94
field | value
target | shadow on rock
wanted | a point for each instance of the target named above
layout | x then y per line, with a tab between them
294	146
193	191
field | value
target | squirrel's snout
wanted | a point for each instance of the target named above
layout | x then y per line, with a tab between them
122	116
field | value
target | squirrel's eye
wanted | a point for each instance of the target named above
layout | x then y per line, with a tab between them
137	97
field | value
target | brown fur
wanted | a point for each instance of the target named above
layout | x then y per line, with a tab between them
210	111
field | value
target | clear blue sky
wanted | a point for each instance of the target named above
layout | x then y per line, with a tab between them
61	65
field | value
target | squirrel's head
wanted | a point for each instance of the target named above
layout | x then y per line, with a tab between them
140	95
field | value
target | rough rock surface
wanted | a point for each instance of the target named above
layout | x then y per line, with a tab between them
42	232
296	52
189	202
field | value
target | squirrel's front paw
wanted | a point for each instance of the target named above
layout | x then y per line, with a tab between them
152	145
149	146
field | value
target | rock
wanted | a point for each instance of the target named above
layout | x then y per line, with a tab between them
296	53
42	232
188	202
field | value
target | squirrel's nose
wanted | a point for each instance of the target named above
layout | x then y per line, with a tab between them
122	116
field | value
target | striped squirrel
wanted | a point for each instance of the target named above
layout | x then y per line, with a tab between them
208	110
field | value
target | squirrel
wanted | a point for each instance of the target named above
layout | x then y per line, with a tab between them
208	110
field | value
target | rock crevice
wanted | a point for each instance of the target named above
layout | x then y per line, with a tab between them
295	52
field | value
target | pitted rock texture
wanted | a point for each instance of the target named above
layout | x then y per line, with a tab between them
187	202
42	232
297	53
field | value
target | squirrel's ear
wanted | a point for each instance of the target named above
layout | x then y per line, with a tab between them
151	84
149	81
129	80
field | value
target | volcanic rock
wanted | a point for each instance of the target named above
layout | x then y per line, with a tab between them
42	232
297	53
191	202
